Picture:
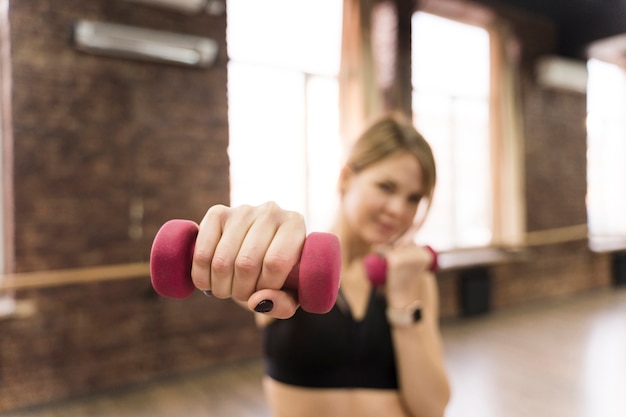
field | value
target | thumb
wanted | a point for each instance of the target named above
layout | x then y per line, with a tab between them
278	304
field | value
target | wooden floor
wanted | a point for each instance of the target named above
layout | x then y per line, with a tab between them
564	358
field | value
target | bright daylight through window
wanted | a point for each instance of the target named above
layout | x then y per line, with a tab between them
283	105
451	109
283	114
606	129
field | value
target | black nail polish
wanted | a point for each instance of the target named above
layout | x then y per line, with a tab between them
264	306
208	293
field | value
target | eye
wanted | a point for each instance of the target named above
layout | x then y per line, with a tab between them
387	187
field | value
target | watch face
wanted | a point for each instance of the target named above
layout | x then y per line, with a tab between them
417	315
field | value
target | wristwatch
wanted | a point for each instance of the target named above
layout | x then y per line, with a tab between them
404	317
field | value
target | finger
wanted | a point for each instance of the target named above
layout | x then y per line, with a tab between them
209	234
234	231
283	253
249	260
274	303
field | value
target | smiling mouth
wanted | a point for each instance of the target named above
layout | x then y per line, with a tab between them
386	228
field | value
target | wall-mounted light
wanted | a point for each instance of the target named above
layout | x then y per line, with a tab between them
214	7
562	73
145	44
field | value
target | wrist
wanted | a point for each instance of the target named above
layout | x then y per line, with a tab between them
404	316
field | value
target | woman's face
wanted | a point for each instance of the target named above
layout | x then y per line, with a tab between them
380	202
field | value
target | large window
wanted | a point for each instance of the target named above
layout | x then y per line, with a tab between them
283	98
606	174
451	109
283	104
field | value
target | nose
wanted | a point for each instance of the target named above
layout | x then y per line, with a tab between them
396	206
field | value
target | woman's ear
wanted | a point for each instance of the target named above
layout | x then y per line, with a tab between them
344	179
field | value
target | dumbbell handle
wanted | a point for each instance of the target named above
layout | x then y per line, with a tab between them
315	278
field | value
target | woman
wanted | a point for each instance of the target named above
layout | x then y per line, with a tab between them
378	351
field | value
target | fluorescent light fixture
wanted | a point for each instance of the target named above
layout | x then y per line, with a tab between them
214	7
144	44
562	73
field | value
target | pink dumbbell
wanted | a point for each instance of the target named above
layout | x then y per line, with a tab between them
376	266
315	278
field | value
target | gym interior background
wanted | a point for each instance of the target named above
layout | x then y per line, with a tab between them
99	152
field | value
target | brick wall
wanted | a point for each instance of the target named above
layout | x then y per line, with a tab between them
87	338
92	137
94	134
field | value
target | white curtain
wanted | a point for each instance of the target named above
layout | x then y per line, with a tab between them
507	137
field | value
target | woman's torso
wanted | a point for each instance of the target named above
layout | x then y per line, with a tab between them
292	401
332	364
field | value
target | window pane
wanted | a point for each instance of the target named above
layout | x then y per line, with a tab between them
606	156
456	64
432	117
302	35
283	104
451	109
267	148
323	150
472	173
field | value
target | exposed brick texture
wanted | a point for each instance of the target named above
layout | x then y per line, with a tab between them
556	158
92	136
86	338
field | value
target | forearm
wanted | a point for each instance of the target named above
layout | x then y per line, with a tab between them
422	377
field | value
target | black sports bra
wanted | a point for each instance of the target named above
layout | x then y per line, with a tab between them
332	350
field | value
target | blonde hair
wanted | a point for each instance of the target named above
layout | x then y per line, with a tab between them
388	135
